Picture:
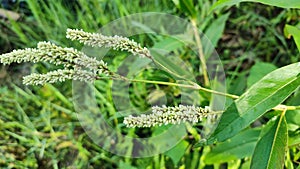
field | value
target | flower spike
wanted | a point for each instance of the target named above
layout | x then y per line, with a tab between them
114	42
168	115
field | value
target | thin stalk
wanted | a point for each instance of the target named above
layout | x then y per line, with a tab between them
200	51
293	107
195	86
282	107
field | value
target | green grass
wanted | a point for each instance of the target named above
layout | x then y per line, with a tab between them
39	127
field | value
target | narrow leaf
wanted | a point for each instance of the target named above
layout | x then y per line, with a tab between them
270	149
267	93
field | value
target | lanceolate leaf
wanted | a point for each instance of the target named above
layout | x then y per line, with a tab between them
267	93
270	149
278	3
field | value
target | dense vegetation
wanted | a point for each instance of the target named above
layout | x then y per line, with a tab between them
39	127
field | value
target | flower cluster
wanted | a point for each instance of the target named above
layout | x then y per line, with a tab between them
59	76
73	58
168	115
78	66
114	42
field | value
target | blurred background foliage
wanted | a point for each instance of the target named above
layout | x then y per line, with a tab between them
38	125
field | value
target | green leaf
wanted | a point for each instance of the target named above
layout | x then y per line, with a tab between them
258	71
175	66
278	3
294	138
240	146
238	85
137	65
168	44
178	151
188	7
293	31
270	149
213	33
267	93
292	117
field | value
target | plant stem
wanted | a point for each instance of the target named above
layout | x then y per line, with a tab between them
200	51
293	107
282	107
195	86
